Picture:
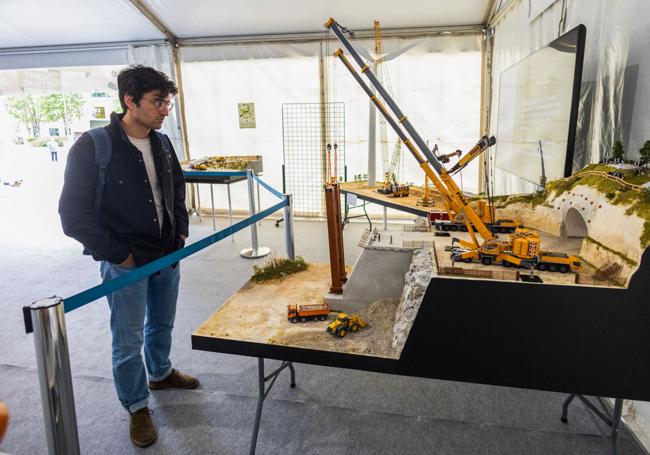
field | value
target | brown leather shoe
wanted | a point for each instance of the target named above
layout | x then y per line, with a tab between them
175	380
141	428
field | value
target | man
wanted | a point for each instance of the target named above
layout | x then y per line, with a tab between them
53	150
142	217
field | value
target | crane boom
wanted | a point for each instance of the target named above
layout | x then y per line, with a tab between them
453	197
521	249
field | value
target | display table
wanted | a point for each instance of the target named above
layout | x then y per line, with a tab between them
574	339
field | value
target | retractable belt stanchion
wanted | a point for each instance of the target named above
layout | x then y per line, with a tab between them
46	319
256	251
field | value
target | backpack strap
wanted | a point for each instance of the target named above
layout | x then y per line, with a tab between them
103	151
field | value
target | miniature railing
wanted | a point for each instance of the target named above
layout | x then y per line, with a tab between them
46	318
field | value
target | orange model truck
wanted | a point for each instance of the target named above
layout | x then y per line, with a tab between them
305	313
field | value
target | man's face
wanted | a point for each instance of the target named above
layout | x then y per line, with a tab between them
152	109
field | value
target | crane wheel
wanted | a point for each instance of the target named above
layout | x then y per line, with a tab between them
486	260
293	320
552	268
322	318
506	264
564	268
342	333
541	266
303	319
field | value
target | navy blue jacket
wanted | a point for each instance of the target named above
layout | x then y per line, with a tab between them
127	221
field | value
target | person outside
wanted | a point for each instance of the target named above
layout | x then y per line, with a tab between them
54	152
142	217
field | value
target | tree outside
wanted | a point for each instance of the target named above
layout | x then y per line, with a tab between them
29	110
32	110
62	106
645	152
618	152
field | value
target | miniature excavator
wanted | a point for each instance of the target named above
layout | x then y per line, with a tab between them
521	248
344	324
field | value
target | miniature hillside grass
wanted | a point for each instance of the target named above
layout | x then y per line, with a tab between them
638	202
276	268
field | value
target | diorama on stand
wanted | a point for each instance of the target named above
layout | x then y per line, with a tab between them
563	237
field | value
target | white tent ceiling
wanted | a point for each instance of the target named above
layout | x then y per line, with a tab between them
32	23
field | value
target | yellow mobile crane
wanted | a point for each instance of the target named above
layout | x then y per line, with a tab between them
521	248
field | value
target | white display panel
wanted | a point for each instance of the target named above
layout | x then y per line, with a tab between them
537	106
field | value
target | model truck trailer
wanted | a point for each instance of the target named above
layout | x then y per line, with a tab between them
304	313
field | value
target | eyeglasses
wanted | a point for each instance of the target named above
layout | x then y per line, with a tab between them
161	103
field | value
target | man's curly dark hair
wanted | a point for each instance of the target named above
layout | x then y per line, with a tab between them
136	80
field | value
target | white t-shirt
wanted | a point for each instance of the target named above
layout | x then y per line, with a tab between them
144	145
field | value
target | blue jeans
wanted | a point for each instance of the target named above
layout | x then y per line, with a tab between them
142	313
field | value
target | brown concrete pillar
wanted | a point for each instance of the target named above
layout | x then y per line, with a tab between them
334	234
339	233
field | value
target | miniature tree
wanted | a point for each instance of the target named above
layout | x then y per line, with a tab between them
618	152
645	152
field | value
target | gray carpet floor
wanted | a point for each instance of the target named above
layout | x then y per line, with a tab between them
331	411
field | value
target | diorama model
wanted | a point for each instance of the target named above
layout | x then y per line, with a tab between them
579	220
521	248
225	163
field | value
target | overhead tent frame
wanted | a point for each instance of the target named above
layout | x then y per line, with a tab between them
116	52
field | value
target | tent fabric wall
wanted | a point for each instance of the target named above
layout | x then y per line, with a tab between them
615	92
436	83
614	99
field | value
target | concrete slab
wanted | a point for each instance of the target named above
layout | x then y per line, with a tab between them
378	274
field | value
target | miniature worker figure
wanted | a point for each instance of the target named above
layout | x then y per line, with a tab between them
140	218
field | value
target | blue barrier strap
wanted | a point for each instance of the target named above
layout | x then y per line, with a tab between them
214	173
94	293
268	187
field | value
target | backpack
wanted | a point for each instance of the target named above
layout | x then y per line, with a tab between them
103	151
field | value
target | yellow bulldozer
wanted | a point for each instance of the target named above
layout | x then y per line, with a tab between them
344	324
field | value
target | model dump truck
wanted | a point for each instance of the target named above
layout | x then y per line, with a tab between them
304	313
345	323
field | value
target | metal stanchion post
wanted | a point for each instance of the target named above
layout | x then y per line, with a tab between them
232	236
256	251
259	201
214	225
288	228
53	362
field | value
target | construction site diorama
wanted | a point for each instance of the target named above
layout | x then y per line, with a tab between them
225	163
569	233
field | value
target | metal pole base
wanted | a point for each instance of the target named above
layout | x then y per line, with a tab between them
250	253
